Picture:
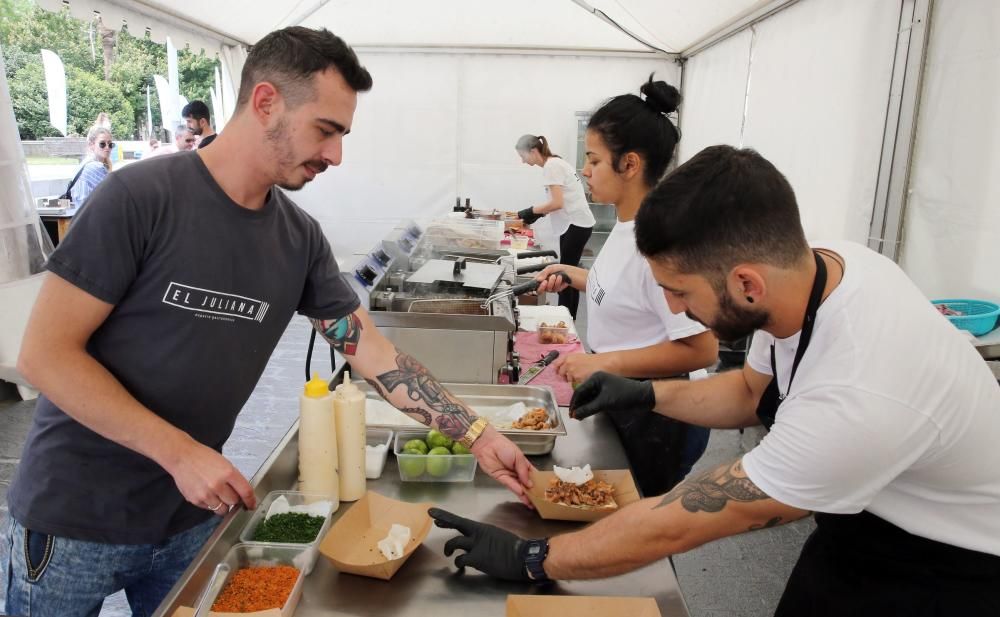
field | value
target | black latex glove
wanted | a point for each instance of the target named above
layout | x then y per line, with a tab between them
607	392
528	216
488	549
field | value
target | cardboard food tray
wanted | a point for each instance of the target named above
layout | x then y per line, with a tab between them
352	543
581	606
493	396
245	555
625	492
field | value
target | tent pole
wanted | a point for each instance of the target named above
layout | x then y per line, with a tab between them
903	105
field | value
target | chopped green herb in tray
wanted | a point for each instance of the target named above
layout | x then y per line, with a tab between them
289	527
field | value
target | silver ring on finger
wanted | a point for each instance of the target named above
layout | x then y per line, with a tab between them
216	508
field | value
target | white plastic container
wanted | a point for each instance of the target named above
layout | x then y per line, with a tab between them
310	550
349	405
378	441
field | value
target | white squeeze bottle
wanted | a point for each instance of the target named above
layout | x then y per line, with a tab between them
349	403
318	441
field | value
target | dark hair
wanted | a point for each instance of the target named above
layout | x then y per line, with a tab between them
288	58
628	123
721	208
197	110
527	143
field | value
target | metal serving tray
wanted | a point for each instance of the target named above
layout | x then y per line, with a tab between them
487	398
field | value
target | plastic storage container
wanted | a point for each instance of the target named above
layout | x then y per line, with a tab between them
309	551
465	233
552	334
978	316
257	555
432	468
374	460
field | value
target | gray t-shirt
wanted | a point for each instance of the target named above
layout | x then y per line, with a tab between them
203	290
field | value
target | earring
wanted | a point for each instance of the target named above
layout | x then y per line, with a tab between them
750	299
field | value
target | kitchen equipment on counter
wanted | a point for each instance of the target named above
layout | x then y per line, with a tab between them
434	302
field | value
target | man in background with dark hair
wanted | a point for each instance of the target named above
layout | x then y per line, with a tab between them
146	350
199	121
883	419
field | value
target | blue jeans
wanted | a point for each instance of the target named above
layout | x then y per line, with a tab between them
49	575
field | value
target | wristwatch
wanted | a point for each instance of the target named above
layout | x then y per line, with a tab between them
535	556
474	432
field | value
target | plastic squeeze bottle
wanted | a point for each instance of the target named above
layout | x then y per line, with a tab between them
349	403
318	460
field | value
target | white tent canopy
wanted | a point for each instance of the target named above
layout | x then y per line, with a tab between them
839	94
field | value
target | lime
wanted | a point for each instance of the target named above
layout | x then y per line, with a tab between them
412	466
417	445
458	448
439	462
437	439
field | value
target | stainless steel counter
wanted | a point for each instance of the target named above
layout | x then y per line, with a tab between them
428	583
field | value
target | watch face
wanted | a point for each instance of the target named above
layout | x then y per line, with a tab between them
534	549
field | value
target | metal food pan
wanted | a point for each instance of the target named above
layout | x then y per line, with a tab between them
485	399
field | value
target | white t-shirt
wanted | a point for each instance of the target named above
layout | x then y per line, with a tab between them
891	411
575	210
625	307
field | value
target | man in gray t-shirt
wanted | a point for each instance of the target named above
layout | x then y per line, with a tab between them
158	316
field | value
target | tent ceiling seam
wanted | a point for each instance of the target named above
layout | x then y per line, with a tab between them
737	25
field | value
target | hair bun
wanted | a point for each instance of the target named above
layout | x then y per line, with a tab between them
661	96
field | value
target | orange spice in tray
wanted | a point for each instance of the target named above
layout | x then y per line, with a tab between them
257	589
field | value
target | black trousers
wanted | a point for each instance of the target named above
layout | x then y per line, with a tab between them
863	566
571	245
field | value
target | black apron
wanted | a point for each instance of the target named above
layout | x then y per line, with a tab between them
860	565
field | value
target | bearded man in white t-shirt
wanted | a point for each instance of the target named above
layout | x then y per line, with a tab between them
884	421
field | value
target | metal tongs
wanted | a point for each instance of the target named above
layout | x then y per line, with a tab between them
523	288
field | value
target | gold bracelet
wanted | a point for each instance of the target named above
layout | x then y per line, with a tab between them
474	432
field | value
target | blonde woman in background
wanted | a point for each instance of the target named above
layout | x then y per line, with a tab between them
95	168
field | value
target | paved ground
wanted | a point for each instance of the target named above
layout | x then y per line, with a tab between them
736	577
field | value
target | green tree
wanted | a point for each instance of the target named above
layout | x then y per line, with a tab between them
89	95
136	61
26	29
31	105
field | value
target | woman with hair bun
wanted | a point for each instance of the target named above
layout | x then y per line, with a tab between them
630	141
567	207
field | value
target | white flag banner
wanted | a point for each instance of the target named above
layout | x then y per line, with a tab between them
216	95
55	83
168	104
149	116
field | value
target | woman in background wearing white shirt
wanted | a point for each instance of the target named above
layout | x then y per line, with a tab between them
630	141
567	207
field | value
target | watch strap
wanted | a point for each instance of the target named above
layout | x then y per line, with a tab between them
474	432
534	557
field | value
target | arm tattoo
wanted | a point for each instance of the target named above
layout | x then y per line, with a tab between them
712	490
343	334
451	416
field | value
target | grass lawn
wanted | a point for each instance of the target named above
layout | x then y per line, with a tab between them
51	160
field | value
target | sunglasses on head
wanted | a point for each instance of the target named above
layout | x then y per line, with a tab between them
105	144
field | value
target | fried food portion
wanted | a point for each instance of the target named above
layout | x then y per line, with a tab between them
592	494
552	333
535	419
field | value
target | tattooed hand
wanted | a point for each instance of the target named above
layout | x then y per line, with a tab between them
505	463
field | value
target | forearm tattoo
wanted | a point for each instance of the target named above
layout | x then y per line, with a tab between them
342	334
451	416
712	490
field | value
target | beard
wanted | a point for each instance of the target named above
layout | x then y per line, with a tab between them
734	322
285	159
